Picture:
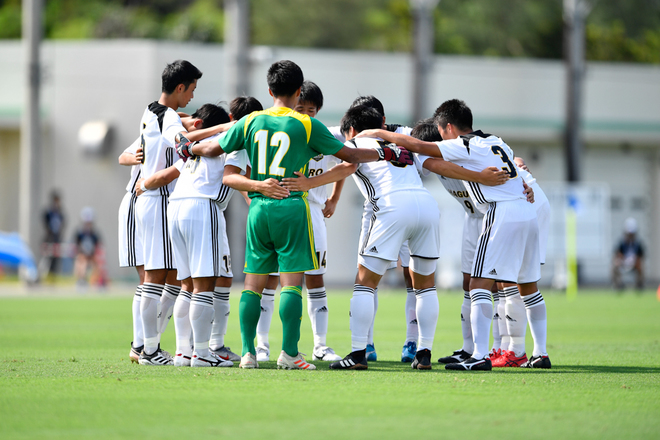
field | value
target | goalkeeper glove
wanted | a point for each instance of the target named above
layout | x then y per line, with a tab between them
394	153
184	147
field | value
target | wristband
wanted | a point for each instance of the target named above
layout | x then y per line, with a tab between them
142	187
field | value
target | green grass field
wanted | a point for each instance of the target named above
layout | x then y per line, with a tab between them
65	373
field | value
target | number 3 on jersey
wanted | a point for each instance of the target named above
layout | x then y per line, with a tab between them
510	167
280	140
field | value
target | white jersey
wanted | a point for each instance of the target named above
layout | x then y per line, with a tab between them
477	151
316	166
378	179
135	169
158	127
201	177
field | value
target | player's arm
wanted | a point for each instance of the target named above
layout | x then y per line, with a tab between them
203	133
490	176
334	174
128	159
528	191
410	143
186	148
331	203
157	180
271	188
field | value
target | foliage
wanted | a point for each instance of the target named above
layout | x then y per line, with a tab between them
616	31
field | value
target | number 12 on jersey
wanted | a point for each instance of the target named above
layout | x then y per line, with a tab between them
280	140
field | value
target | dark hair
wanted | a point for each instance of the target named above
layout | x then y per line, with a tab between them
179	72
454	112
370	101
426	130
284	78
211	115
361	118
312	94
244	105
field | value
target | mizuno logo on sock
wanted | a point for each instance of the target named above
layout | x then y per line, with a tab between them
263	310
374	250
510	318
492	272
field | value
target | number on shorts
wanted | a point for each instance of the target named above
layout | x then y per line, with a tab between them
280	140
226	259
510	167
318	257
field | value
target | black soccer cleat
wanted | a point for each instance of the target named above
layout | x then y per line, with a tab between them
422	360
355	360
538	362
456	357
471	364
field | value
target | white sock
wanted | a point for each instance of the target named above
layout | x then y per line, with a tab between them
267	307
412	328
201	321
170	292
370	335
138	331
516	320
317	309
362	315
427	316
149	310
505	339
537	314
481	315
497	339
182	327
466	326
221	309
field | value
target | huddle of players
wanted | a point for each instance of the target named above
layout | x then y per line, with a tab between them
398	211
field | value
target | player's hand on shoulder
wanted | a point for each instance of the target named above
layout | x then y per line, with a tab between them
493	176
184	147
394	153
273	189
300	183
529	192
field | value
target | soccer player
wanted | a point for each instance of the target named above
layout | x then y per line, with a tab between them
402	210
320	206
130	248
160	123
508	245
280	141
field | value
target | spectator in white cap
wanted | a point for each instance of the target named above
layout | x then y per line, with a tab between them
629	256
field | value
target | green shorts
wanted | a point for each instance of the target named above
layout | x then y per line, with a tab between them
280	237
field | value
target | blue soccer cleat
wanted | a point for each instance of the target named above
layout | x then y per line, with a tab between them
409	350
371	353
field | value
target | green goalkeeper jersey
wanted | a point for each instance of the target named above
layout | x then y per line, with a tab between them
279	141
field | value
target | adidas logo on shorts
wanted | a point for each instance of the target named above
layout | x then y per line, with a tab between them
492	272
374	250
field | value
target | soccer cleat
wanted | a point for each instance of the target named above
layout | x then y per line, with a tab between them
296	362
135	353
212	360
158	357
371	353
456	357
494	355
422	360
263	354
225	353
471	364
509	359
323	353
181	360
408	352
542	361
249	361
352	361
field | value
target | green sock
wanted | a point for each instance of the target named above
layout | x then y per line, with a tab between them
291	316
249	311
